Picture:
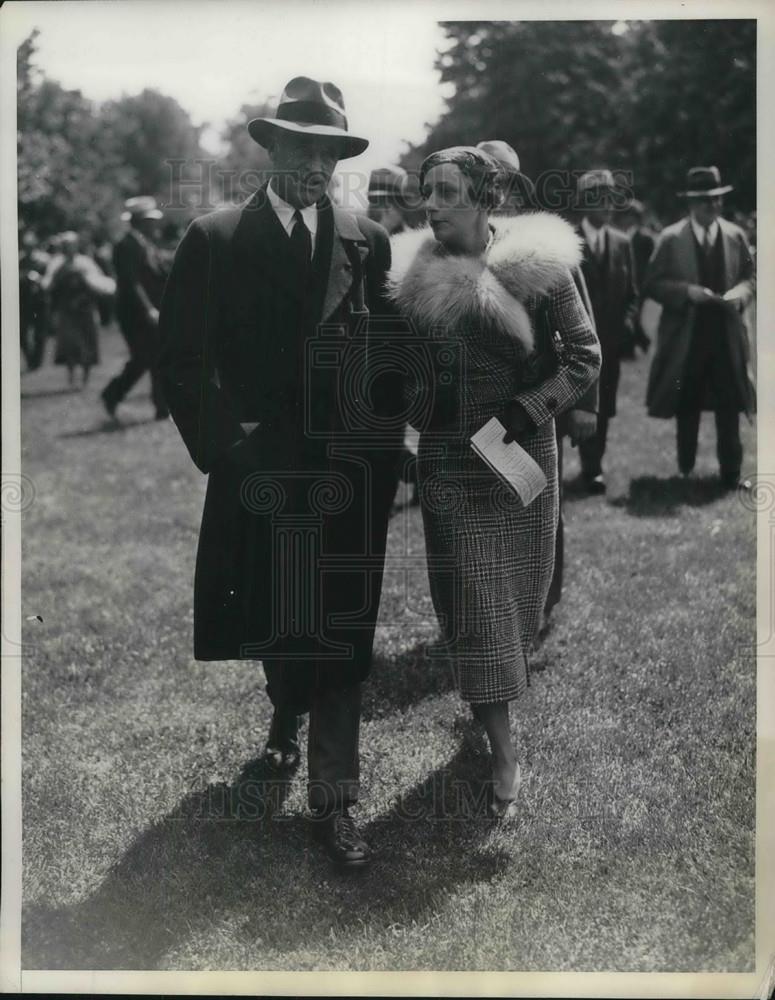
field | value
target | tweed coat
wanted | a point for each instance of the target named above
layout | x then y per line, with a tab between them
673	267
614	297
262	373
490	560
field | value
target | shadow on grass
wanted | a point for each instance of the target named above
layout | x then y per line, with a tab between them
396	682
650	496
225	854
108	427
49	393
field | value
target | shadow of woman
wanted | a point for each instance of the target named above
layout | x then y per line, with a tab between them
230	854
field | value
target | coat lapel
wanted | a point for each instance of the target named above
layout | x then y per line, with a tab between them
340	272
731	255
687	253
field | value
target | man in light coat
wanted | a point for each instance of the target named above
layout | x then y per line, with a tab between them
702	274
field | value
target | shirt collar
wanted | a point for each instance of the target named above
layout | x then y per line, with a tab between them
699	231
285	212
594	237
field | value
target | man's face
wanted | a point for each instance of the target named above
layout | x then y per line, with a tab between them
600	209
302	166
387	214
705	210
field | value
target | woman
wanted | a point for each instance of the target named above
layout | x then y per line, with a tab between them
75	285
485	296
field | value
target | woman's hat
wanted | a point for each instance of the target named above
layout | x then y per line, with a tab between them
141	207
704	182
309	107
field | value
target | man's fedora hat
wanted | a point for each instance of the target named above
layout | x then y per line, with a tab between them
141	207
309	107
704	182
387	184
596	180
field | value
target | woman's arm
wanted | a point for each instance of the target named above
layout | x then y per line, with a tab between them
579	364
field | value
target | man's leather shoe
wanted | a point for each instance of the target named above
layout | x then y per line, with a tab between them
282	745
339	837
595	486
109	404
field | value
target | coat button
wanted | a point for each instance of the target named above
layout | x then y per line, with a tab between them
551	403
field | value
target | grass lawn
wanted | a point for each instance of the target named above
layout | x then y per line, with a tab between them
148	844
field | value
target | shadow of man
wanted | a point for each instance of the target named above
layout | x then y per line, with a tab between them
228	854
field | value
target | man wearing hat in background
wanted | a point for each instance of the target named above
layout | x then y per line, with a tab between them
642	242
702	274
265	368
385	197
140	277
610	276
579	423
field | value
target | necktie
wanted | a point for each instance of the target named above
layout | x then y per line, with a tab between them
707	244
301	241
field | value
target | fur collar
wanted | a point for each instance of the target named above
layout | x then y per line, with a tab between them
530	254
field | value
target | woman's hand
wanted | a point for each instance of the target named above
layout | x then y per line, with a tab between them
517	422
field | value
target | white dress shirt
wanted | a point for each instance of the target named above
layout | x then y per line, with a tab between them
285	213
699	231
595	237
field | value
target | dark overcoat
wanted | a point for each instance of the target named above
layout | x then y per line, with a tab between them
672	268
613	294
268	380
140	279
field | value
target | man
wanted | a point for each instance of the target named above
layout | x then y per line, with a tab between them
642	243
610	276
580	422
140	277
702	273
266	370
33	265
385	197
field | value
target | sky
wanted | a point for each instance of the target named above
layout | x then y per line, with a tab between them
214	56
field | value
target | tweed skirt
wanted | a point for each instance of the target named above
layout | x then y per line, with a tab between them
490	560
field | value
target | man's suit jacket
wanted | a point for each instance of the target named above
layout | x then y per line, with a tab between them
673	267
268	380
613	294
140	279
642	241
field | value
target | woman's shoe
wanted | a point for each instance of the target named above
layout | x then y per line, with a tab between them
506	808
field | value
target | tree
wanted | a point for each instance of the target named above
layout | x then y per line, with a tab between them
650	98
242	168
155	138
78	162
69	175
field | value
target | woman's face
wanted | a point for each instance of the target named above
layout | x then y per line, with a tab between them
448	205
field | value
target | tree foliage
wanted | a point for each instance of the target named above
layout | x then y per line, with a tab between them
649	97
78	161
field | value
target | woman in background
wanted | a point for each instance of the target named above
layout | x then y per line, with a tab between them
485	296
75	285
